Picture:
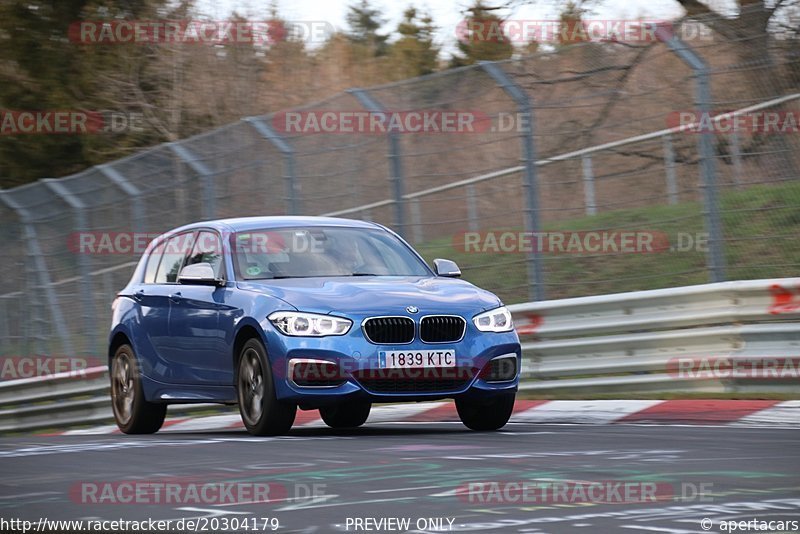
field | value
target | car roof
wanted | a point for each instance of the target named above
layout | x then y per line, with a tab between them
245	224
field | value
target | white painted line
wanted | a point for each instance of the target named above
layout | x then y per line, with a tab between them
354	503
576	411
247	503
664	530
315	423
785	413
390	413
212	422
398	412
24	495
213	511
312	502
104	429
403	489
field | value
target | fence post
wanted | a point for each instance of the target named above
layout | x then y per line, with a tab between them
395	160
292	188
536	289
132	191
40	268
416	222
669	166
736	157
715	259
4	315
588	185
81	225
33	326
209	187
472	209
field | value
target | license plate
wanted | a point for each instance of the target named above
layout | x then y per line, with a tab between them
403	359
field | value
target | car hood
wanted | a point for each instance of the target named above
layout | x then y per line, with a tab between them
377	295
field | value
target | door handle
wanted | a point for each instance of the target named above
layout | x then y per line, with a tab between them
175	297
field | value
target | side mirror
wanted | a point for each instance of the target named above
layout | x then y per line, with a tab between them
199	274
446	268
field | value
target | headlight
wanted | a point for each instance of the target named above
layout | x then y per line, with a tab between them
309	324
496	320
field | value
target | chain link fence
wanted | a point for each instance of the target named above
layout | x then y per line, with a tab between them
563	157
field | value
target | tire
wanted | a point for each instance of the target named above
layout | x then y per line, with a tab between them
486	415
350	414
262	413
132	412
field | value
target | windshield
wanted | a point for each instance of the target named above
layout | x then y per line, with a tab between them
304	252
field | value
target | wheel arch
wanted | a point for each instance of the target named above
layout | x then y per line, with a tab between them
245	332
118	339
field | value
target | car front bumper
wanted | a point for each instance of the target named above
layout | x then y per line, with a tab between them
363	379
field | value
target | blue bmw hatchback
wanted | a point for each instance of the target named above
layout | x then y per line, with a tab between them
280	313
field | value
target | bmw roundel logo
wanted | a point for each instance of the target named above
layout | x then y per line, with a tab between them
412	309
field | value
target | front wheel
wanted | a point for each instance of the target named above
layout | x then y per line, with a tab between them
486	415
262	413
132	412
346	415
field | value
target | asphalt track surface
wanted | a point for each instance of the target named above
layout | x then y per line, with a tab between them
419	471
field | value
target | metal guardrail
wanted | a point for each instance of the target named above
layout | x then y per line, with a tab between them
627	341
606	343
63	400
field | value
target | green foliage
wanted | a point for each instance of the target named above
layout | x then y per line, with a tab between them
415	53
38	72
43	69
364	22
481	38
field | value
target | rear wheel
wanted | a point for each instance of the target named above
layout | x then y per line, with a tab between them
350	414
133	414
490	414
262	413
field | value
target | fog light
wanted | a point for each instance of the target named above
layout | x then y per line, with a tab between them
315	373
500	369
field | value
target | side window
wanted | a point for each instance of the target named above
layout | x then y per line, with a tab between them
208	249
152	265
174	252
